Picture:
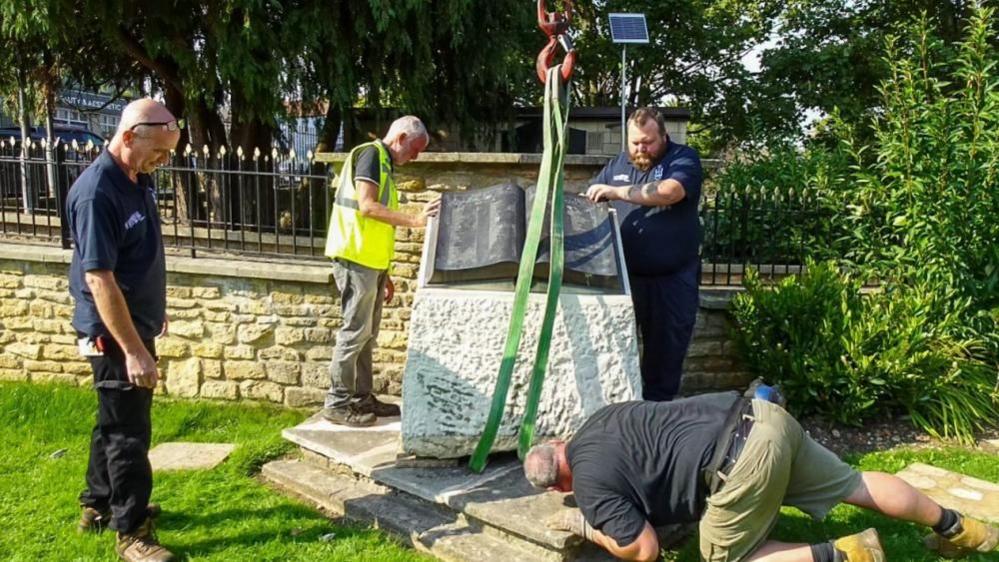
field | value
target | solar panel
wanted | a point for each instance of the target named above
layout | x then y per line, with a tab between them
628	28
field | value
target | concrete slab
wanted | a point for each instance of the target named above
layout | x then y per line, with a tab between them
189	456
439	532
971	496
500	497
455	347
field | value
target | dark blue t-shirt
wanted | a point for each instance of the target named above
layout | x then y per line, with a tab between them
659	240
115	226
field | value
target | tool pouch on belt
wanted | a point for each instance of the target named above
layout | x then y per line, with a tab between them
739	408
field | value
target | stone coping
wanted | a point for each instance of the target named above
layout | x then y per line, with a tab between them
479	158
220	266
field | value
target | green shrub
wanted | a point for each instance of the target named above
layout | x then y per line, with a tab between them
850	357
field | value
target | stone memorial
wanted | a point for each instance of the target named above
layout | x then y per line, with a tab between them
461	314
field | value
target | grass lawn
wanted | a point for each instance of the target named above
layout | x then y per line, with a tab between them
226	514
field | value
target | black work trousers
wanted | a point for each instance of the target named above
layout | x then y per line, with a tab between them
119	476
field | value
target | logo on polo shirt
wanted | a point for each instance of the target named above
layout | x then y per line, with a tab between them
658	172
621	177
133	220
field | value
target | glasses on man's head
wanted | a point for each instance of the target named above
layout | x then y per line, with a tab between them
173	125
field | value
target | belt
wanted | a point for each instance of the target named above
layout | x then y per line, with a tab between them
738	424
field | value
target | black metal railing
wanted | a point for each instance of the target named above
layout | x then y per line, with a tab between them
266	204
277	205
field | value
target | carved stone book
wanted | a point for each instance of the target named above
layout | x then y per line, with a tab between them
482	231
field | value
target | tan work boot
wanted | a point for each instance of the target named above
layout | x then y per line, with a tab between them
974	537
862	547
95	521
141	545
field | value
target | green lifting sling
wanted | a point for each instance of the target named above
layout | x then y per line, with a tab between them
550	184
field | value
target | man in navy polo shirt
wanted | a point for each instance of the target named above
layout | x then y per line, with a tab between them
118	281
656	187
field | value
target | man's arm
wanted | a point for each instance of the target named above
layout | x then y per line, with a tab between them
369	207
644	548
113	310
653	194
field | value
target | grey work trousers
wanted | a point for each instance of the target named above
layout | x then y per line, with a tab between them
362	292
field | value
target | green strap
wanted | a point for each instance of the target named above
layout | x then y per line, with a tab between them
551	168
556	98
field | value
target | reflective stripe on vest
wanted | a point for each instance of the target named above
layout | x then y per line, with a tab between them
355	238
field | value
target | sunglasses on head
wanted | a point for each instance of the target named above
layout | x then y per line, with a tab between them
174	125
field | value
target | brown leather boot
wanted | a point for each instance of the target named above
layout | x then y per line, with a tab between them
861	547
141	545
93	520
973	537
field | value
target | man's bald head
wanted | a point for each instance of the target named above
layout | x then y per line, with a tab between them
406	138
144	140
143	110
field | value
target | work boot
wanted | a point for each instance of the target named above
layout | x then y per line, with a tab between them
381	409
141	545
351	415
862	547
93	520
972	536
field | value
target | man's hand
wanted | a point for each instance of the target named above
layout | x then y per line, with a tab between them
602	192
166	327
570	520
431	209
141	368
389	290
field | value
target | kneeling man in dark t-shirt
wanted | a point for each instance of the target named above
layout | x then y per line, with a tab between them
730	464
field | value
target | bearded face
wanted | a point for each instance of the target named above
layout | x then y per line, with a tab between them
645	145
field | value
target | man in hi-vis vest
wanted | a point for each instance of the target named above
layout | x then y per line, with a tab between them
361	242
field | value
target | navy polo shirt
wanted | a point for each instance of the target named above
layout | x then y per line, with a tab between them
659	240
115	226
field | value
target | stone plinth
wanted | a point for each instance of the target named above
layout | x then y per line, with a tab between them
456	344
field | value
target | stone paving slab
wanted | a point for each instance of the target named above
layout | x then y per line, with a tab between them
991	445
499	497
971	496
189	456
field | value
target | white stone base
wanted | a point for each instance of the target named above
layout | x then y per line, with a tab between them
456	344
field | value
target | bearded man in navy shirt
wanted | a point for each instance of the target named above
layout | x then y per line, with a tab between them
656	187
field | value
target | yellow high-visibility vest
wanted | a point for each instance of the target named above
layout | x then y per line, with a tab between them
355	238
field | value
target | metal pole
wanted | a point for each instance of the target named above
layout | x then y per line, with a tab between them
624	132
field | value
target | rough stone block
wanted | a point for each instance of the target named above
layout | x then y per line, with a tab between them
216	316
238	370
21	349
278	353
211	369
207	349
704	348
178	292
9	281
316	375
319	335
451	369
289	336
11	308
206	292
9	362
224	334
40	309
253	333
48	326
240	352
79	367
280	297
184	378
13	375
300	322
302	397
284	372
319	353
173	302
55	297
220	390
54	378
171	346
58	352
188	329
262	390
45	282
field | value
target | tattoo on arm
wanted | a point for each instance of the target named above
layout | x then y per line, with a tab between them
650	188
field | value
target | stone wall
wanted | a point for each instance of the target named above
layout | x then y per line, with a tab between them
265	330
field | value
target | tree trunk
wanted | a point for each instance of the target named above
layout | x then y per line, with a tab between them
22	108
